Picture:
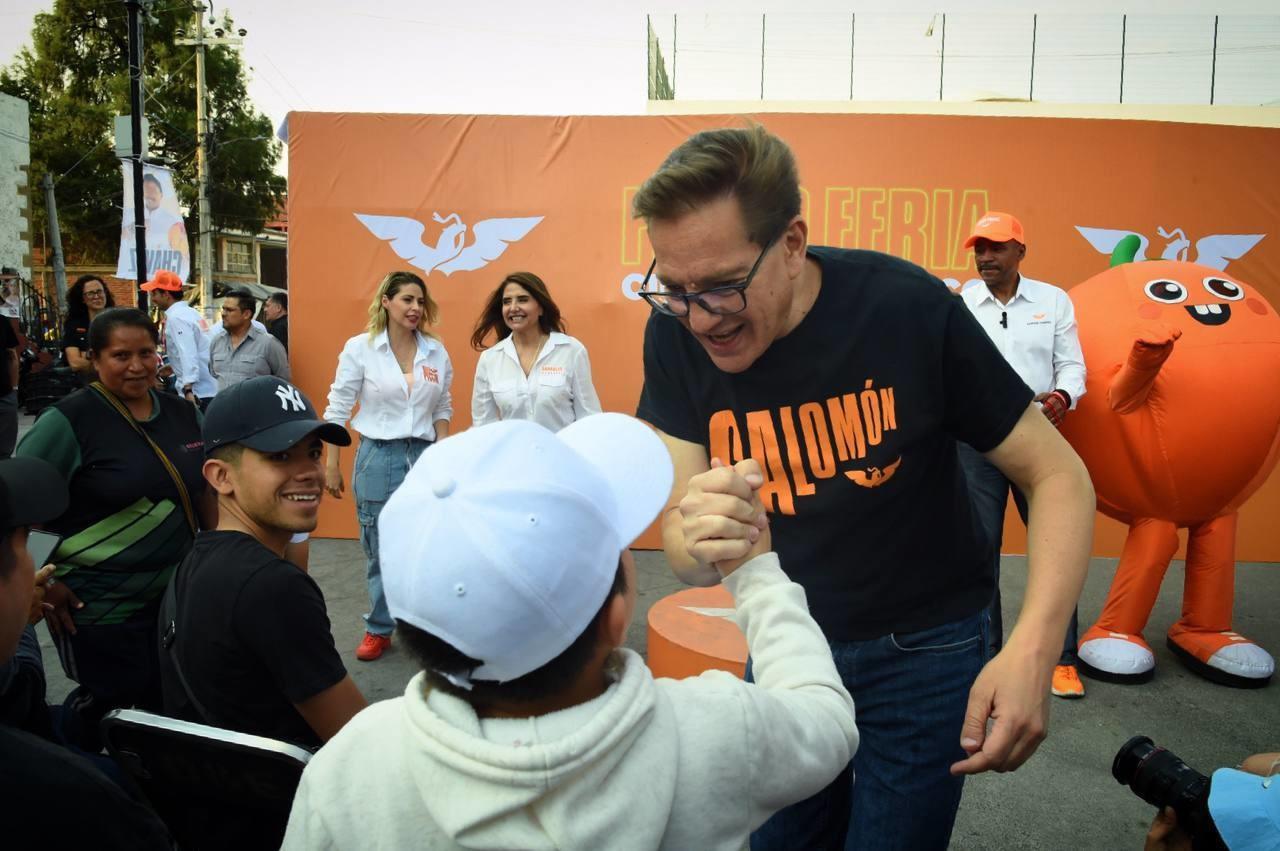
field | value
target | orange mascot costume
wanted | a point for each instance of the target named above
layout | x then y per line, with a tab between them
1180	425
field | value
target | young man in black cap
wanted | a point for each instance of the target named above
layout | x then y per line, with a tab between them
245	636
36	772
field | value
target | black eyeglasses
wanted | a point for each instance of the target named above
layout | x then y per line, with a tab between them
724	300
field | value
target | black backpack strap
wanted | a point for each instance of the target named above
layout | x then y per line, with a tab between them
168	640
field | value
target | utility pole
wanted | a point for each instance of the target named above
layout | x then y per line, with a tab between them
135	100
55	239
199	40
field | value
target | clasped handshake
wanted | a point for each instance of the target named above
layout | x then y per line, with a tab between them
723	520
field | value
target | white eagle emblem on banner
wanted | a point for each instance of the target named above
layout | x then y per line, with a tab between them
1214	251
451	253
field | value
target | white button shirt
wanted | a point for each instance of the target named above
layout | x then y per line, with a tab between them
1038	336
186	344
556	392
368	374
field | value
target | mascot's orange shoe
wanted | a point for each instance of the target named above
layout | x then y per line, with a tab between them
1224	657
1116	656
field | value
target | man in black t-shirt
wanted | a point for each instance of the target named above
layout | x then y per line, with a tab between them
36	774
246	642
8	387
275	315
849	376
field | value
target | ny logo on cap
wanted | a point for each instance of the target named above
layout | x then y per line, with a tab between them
290	396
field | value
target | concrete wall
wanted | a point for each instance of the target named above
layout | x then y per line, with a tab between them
15	158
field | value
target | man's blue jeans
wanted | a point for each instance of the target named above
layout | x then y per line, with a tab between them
910	692
380	467
988	495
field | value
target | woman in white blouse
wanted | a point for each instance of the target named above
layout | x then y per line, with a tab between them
535	371
400	375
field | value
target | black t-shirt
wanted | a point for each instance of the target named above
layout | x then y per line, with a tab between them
279	328
75	332
9	347
253	639
125	528
854	417
54	798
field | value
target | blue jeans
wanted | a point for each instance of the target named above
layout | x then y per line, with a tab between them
910	692
988	495
380	467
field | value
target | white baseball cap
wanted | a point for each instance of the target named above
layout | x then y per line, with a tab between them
504	540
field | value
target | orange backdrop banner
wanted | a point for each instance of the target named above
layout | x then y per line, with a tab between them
465	200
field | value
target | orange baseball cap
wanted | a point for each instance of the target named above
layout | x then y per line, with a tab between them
164	280
997	227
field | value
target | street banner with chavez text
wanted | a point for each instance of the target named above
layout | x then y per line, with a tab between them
167	245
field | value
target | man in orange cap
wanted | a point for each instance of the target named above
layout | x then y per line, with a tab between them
185	342
1034	326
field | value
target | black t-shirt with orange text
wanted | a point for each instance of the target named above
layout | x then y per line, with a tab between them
854	417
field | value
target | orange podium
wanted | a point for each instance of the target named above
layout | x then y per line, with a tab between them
692	631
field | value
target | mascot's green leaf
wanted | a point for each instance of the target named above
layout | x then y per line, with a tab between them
1126	250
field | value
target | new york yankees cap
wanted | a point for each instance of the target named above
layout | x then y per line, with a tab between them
267	414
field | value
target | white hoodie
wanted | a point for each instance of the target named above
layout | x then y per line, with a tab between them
681	764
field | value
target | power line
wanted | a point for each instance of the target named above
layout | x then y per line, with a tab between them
289	83
288	100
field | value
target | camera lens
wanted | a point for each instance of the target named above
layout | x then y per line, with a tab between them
1160	778
1132	755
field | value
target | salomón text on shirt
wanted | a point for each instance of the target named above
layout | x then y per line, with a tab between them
853	417
1036	332
390	408
556	392
186	344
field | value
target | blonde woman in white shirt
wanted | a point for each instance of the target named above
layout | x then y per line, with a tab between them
400	374
534	371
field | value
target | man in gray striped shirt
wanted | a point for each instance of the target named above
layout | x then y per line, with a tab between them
241	350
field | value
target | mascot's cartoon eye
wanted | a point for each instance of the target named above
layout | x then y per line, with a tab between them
1222	288
1166	291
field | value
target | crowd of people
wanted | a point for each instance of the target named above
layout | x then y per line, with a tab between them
499	556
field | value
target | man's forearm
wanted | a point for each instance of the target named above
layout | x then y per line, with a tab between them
1059	541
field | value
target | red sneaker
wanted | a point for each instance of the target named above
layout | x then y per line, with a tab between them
372	646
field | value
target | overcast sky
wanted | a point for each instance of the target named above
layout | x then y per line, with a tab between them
589	56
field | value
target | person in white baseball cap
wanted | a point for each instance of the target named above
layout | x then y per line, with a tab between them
505	561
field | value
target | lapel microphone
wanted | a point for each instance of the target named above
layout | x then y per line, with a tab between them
1004	319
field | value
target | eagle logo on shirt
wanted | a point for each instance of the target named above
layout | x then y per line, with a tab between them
874	477
451	252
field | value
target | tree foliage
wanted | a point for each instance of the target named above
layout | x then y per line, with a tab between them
75	76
